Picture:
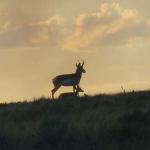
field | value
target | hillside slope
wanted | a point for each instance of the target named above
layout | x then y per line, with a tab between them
103	122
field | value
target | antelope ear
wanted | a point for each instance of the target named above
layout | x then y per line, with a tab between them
76	65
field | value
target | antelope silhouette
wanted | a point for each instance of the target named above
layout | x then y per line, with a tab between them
71	94
69	79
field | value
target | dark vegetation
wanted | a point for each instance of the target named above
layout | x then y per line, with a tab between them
103	122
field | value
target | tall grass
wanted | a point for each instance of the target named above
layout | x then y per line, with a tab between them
102	122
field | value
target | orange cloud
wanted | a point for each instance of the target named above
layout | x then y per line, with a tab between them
39	33
110	26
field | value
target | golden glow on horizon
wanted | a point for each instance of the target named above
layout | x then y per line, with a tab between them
40	39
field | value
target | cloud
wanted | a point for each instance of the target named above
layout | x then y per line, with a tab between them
47	32
29	34
110	26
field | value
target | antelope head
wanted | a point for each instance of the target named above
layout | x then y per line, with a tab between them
80	68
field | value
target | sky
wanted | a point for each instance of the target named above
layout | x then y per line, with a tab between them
40	39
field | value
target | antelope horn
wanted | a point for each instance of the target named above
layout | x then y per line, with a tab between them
79	63
83	63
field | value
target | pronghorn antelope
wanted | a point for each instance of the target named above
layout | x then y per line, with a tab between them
68	79
71	94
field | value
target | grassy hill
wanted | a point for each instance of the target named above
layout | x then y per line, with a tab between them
102	122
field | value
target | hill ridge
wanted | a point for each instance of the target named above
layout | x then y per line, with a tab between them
105	121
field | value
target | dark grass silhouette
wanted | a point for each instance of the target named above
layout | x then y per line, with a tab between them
102	122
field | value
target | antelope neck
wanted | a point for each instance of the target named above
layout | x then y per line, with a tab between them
78	74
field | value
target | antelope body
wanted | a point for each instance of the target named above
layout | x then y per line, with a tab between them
68	79
71	94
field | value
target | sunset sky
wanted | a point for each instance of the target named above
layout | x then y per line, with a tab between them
40	39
